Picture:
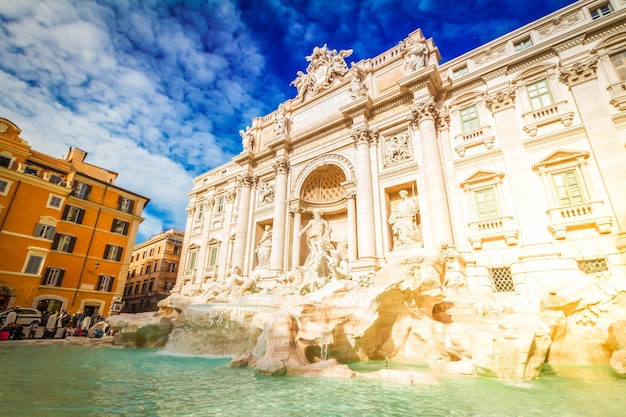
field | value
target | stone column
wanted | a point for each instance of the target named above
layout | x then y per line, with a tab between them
243	214
352	231
364	138
277	257
297	225
424	115
225	256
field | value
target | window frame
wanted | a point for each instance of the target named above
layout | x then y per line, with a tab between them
105	279
120	227
600	10
4	190
44	231
73	214
34	253
81	190
537	102
522	44
53	277
492	209
113	252
64	243
52	201
468	116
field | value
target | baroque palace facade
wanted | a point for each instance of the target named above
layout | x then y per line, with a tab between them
66	230
512	154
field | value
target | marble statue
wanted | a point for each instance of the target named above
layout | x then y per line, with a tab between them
280	121
416	54
264	247
404	223
357	87
247	139
315	266
339	268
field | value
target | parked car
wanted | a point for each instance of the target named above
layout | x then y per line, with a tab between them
25	316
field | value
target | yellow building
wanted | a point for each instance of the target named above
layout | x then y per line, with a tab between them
153	269
66	231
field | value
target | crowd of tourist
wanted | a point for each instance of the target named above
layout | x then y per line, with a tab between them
55	324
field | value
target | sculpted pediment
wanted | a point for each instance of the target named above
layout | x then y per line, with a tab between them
561	156
483	176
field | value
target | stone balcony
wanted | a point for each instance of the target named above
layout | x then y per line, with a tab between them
579	216
618	95
499	228
557	112
480	136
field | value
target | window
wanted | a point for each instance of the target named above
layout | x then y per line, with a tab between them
81	190
31	170
64	243
593	266
53	277
192	260
120	226
469	119
54	201
539	94
213	256
600	10
144	254
73	214
144	287
33	264
112	252
151	285
152	252
172	267
200	211
459	72
567	188
619	62
45	231
501	279
219	207
55	179
148	268
486	203
4	187
136	289
125	204
523	44
105	283
6	161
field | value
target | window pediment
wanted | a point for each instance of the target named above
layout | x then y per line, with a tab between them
560	157
482	176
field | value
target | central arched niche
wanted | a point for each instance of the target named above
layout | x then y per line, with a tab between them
323	186
324	189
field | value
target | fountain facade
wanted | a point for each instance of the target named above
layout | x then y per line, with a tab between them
405	209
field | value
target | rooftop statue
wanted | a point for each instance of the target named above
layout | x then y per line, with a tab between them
324	67
247	139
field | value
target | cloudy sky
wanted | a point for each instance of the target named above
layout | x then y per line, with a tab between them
157	90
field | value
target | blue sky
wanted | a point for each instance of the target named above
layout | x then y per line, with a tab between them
157	90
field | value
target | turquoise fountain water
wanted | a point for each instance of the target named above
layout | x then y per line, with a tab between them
65	380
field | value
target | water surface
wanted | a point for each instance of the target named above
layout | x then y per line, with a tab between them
66	380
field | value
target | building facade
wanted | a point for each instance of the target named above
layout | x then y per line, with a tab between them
153	270
66	230
512	154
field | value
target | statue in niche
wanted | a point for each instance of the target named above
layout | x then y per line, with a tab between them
357	88
403	221
315	266
247	139
280	121
397	149
264	247
416	54
267	192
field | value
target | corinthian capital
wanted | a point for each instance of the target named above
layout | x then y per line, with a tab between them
281	166
501	100
423	111
579	72
247	181
364	135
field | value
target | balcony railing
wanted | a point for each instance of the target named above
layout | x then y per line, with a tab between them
499	228
590	214
557	112
480	136
618	95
